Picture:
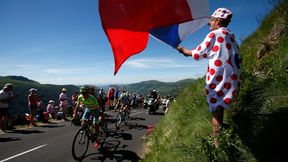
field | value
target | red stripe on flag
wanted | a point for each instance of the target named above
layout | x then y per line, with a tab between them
126	43
127	22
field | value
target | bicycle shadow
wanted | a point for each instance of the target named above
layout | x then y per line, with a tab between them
120	135
27	131
110	151
9	139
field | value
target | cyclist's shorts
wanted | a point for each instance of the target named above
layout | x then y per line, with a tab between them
88	113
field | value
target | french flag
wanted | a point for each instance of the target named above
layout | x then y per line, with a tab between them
127	23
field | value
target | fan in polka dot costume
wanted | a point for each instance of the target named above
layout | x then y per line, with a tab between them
222	52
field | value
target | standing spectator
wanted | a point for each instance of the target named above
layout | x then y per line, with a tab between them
74	99
50	109
101	94
224	62
134	101
6	96
140	101
63	103
116	96
167	103
110	96
33	103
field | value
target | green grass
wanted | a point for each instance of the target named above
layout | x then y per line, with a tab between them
257	126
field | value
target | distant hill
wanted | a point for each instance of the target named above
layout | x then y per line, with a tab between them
21	87
51	92
164	88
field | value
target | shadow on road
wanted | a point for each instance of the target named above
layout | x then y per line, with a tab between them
158	113
136	118
9	139
110	151
26	131
51	126
118	135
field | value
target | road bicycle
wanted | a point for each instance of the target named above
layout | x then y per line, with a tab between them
87	133
122	117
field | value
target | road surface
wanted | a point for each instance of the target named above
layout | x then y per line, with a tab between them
53	142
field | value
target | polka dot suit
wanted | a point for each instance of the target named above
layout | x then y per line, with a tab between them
223	74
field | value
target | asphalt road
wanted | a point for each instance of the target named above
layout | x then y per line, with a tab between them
53	142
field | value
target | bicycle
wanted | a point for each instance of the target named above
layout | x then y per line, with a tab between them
87	133
122	117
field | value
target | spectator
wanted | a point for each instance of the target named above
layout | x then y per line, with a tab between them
74	99
101	94
140	101
34	103
63	103
50	109
6	96
224	62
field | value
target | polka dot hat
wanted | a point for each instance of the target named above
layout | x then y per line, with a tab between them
222	13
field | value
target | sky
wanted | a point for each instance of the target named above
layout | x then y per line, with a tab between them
62	42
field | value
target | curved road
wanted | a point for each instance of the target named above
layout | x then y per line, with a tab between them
53	142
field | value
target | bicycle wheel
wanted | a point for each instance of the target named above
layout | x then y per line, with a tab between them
80	144
119	120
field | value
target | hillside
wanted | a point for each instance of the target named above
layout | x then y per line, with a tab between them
164	88
21	87
49	91
256	126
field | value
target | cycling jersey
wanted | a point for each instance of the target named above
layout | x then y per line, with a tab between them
90	102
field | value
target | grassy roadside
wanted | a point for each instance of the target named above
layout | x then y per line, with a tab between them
256	125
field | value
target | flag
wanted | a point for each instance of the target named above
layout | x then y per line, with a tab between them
127	23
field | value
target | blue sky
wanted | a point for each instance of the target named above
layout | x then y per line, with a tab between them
62	42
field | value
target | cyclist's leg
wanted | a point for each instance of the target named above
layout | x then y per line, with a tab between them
85	116
96	116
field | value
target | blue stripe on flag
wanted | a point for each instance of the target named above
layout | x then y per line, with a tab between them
168	35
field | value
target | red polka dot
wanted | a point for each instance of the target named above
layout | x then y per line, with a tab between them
220	39
205	55
220	93
219	78
208	77
212	86
234	77
207	44
232	39
227	101
212	71
211	35
208	69
229	61
227	85
224	32
215	48
213	100
219	107
199	48
196	56
218	63
228	46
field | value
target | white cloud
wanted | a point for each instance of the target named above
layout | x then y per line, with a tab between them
70	70
148	63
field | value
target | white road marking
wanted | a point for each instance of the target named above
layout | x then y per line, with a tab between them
137	113
25	152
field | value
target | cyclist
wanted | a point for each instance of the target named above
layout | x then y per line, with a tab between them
125	101
90	106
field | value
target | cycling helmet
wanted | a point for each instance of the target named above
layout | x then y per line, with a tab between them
84	89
